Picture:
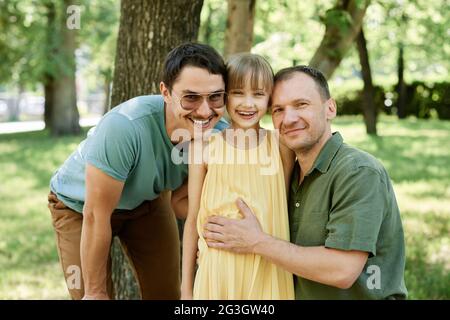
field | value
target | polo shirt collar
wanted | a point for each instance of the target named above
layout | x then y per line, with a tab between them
326	155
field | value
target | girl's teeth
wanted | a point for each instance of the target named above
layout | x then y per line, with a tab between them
247	113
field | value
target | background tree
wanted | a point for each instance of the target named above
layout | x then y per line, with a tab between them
343	24
148	31
49	54
239	31
99	44
40	50
369	107
64	116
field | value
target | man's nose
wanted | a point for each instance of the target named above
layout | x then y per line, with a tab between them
204	110
290	117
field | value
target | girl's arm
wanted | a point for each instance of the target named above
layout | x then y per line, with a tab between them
288	159
197	173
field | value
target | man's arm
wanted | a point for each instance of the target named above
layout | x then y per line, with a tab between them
102	195
179	201
332	267
337	268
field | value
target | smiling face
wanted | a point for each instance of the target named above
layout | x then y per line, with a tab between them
246	106
300	113
192	80
250	82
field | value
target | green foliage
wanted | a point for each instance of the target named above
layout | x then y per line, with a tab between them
423	97
20	41
30	44
98	37
338	18
213	23
351	102
420	26
422	100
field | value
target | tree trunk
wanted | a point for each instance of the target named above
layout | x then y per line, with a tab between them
49	78
14	105
239	31
49	92
401	86
107	90
64	114
343	23
369	107
148	31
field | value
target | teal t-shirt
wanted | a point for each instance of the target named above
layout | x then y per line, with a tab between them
130	144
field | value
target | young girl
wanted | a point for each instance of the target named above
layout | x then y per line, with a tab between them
244	161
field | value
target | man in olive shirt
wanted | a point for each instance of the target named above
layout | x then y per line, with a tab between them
346	232
119	181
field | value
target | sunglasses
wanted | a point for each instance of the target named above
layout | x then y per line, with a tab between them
192	101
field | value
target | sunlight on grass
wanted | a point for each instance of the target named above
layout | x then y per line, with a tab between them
416	154
29	266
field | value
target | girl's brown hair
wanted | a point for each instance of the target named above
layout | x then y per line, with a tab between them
241	66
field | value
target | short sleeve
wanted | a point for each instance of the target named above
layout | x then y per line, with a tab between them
359	204
221	125
113	146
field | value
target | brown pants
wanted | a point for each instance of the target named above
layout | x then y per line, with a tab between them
148	234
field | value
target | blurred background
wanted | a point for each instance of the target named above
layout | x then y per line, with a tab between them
64	63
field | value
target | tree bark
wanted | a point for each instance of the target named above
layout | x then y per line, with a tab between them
64	114
148	30
369	107
239	31
401	86
107	90
49	92
14	105
49	78
343	23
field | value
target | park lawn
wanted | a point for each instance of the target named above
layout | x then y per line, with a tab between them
416	154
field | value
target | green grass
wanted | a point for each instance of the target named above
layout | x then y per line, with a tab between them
416	153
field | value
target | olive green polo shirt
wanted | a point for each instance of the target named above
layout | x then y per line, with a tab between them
346	202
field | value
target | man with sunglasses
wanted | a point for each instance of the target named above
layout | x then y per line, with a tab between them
123	181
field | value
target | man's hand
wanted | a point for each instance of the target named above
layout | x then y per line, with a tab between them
239	236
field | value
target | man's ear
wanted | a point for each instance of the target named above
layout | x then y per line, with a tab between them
165	92
331	109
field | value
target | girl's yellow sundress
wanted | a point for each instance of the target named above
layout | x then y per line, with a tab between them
255	175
